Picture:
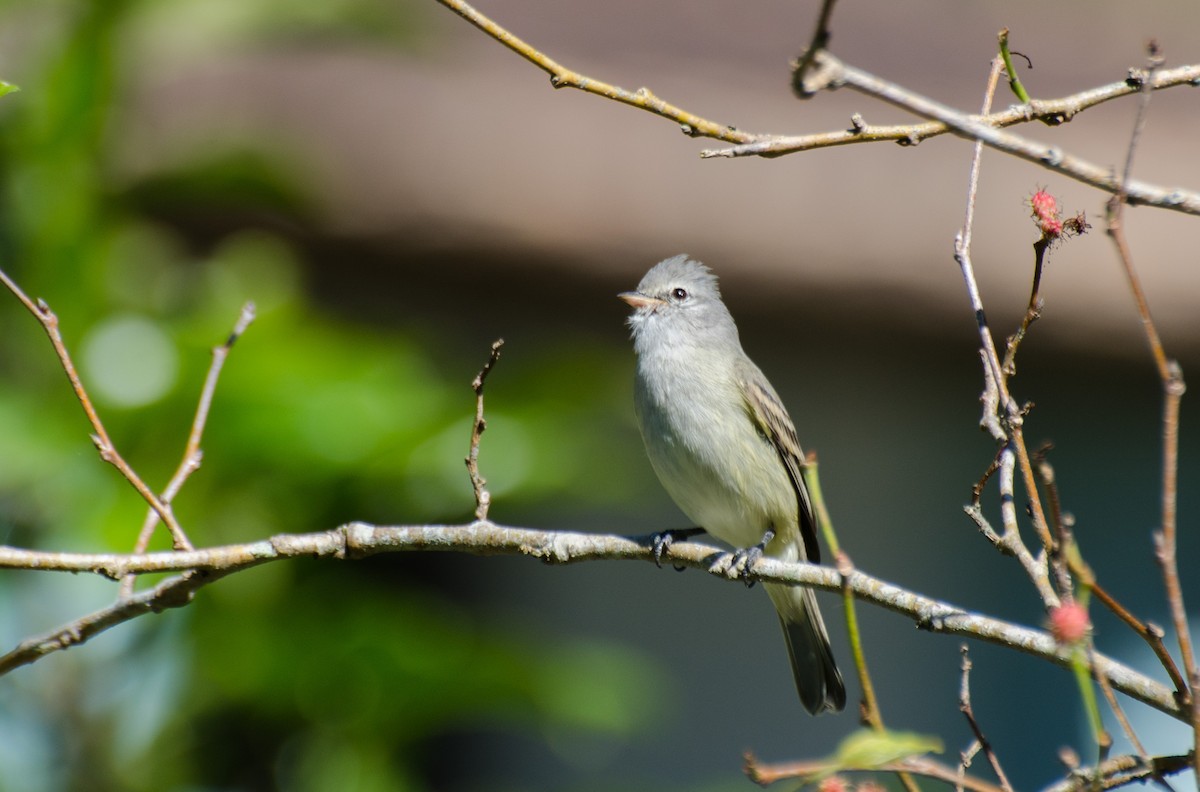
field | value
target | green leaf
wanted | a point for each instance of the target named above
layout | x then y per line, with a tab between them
868	749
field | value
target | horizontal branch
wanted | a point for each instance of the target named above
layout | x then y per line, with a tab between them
974	127
357	540
945	119
1051	112
1049	157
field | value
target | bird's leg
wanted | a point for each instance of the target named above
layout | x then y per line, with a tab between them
661	542
747	557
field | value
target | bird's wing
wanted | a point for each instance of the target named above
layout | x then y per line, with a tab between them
771	419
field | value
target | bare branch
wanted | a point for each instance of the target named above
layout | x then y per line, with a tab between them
1033	311
1049	157
172	593
964	706
356	540
1010	418
982	128
978	128
483	498
104	444
191	453
1121	771
1118	711
766	774
1171	377
819	41
562	77
1051	112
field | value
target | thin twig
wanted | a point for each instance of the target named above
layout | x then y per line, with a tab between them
766	774
1033	311
100	438
562	77
192	454
1151	633
989	420
1014	82
1011	418
965	758
1038	569
869	709
174	592
1064	547
978	487
1154	62
964	706
1119	712
974	128
1120	771
870	712
356	540
1050	157
975	512
818	41
1171	377
1116	229
1051	112
1073	561
1081	664
483	498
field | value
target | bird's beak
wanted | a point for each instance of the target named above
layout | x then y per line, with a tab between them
639	300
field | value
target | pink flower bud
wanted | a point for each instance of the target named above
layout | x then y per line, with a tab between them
1069	623
1046	214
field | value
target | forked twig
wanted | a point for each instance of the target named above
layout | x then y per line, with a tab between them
100	438
818	41
1120	771
1011	417
964	706
1150	633
192	455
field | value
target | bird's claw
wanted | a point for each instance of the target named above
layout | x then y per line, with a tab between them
660	543
743	560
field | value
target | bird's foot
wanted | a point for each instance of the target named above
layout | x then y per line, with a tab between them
661	542
743	560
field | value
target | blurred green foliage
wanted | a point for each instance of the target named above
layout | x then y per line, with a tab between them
303	676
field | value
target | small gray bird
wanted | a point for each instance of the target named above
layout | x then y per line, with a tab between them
726	451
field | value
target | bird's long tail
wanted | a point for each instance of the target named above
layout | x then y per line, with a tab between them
816	673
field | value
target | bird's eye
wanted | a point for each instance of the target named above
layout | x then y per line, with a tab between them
679	293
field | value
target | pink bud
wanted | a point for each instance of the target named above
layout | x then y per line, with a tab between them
1045	214
833	784
1069	623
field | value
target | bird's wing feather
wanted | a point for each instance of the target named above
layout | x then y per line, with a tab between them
771	418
